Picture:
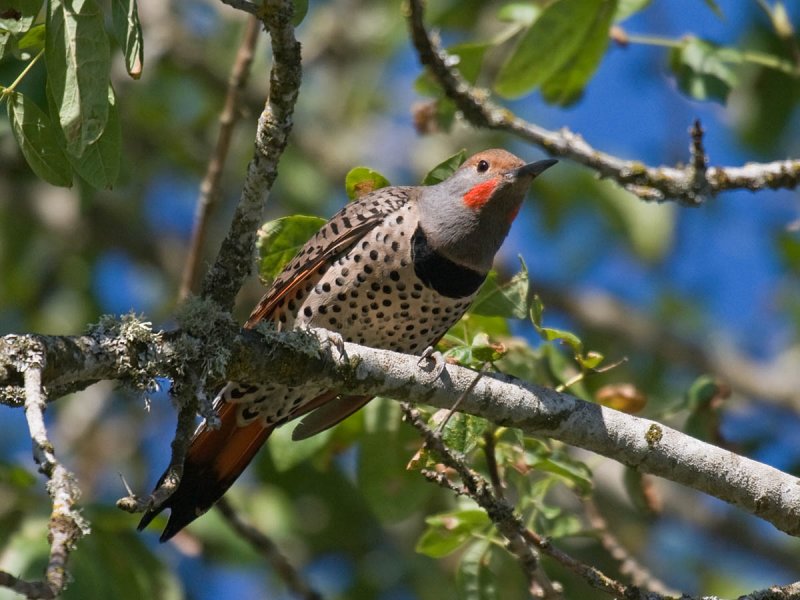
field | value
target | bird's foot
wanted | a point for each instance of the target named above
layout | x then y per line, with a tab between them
434	361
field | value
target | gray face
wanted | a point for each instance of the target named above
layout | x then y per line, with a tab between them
467	217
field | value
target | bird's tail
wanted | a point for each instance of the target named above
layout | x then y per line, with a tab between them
216	457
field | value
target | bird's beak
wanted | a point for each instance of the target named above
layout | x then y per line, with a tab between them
535	168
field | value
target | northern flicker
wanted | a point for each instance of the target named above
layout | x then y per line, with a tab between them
395	270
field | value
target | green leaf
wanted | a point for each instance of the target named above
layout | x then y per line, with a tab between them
470	59
566	86
391	490
300	11
703	70
509	300
563	30
474	580
278	241
573	341
287	453
38	139
100	162
78	63
17	16
590	360
128	31
537	311
463	432
447	532
33	41
445	168
363	180
572	471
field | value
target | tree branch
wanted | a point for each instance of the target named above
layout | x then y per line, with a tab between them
298	357
66	525
235	258
688	185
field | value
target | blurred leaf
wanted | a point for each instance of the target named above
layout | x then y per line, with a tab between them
78	63
17	16
278	242
509	300
445	168
128	31
574	472
300	11
363	180
788	244
626	8
648	227
447	532
621	396
464	433
16	476
463	332
554	44
566	85
564	524
712	4
474	580
112	554
38	140
287	453
703	70
383	478
537	310
470	58
519	12
641	491
704	400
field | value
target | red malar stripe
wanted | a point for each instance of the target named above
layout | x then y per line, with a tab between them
480	194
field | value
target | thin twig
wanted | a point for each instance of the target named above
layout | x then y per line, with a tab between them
491	464
235	258
267	548
209	188
649	183
476	487
629	566
66	526
460	399
180	444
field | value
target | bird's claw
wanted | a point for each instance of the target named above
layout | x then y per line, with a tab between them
434	361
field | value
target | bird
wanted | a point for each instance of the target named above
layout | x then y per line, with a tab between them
394	269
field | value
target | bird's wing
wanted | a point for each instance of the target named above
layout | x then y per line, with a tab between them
343	230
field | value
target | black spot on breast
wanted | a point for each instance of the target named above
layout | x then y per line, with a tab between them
439	272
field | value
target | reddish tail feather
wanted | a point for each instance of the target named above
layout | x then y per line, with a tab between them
216	457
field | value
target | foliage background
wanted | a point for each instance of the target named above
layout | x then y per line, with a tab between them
723	275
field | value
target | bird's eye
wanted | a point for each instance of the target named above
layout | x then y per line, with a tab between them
483	166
